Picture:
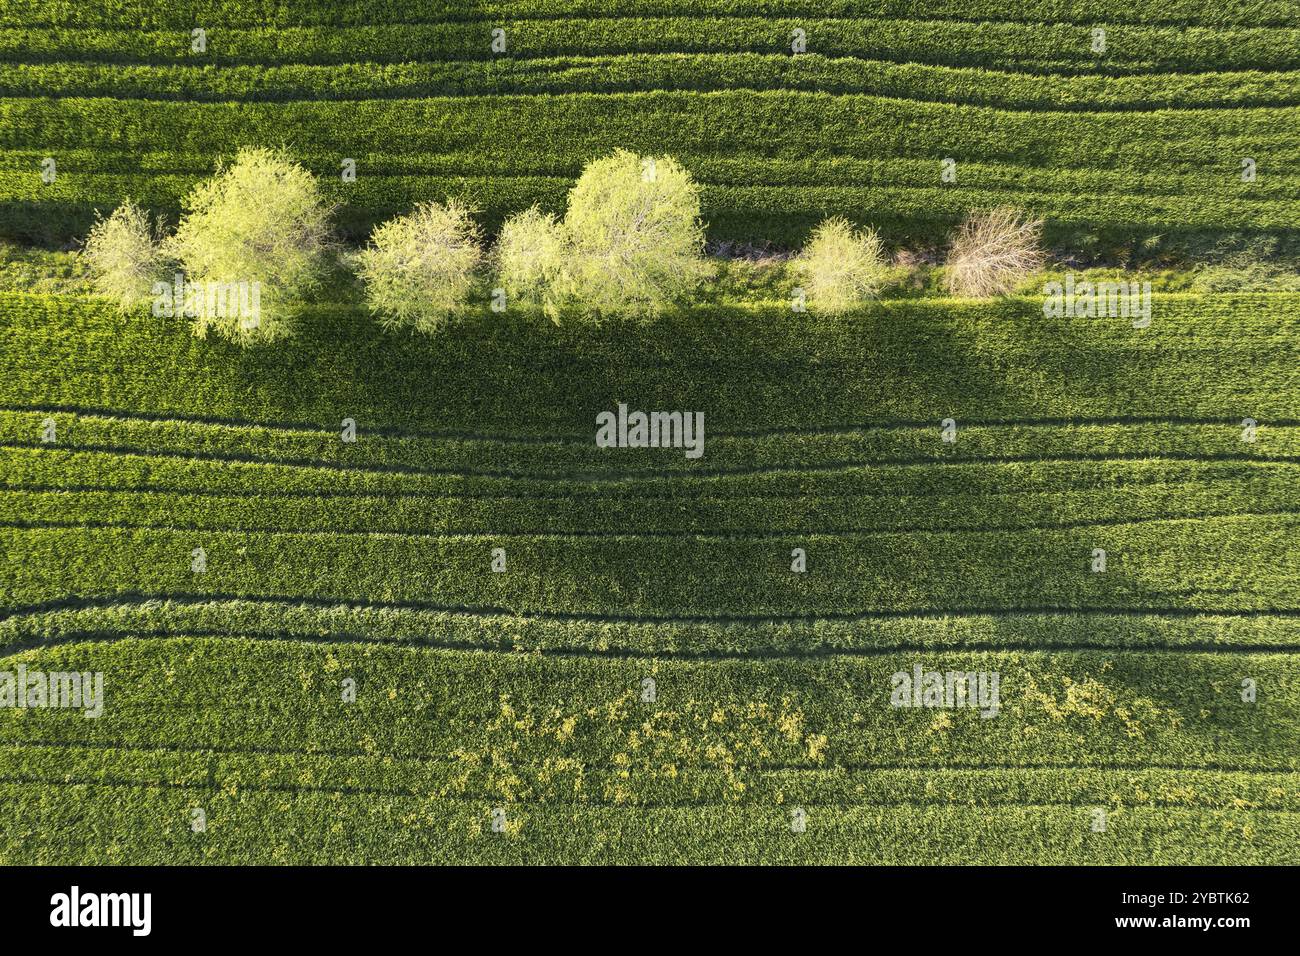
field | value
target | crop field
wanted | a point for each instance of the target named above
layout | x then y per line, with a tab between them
1142	138
371	594
522	691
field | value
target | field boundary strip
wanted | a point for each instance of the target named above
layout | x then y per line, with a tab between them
773	767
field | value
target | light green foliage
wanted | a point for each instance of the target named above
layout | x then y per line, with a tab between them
841	267
420	267
261	220
635	235
43	271
992	252
124	256
530	254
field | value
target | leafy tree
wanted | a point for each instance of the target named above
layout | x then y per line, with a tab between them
420	267
530	254
635	237
260	222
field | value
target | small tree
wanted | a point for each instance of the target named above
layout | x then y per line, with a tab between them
841	267
530	254
419	267
123	256
992	252
261	222
635	237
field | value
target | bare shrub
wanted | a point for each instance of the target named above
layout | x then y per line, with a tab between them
992	252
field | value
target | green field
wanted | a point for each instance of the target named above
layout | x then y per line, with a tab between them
1140	142
304	640
522	690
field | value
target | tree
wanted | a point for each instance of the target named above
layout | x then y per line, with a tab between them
530	255
124	256
420	267
256	235
635	237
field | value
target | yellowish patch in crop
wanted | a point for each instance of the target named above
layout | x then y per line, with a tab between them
629	752
1090	703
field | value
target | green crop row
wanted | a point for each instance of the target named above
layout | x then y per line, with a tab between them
21	173
1138	150
1238	562
650	71
818	791
779	124
627	515
575	458
1055	48
383	185
918	361
530	728
150	825
32	469
280	619
186	13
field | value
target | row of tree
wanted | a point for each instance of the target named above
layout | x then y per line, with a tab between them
630	242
